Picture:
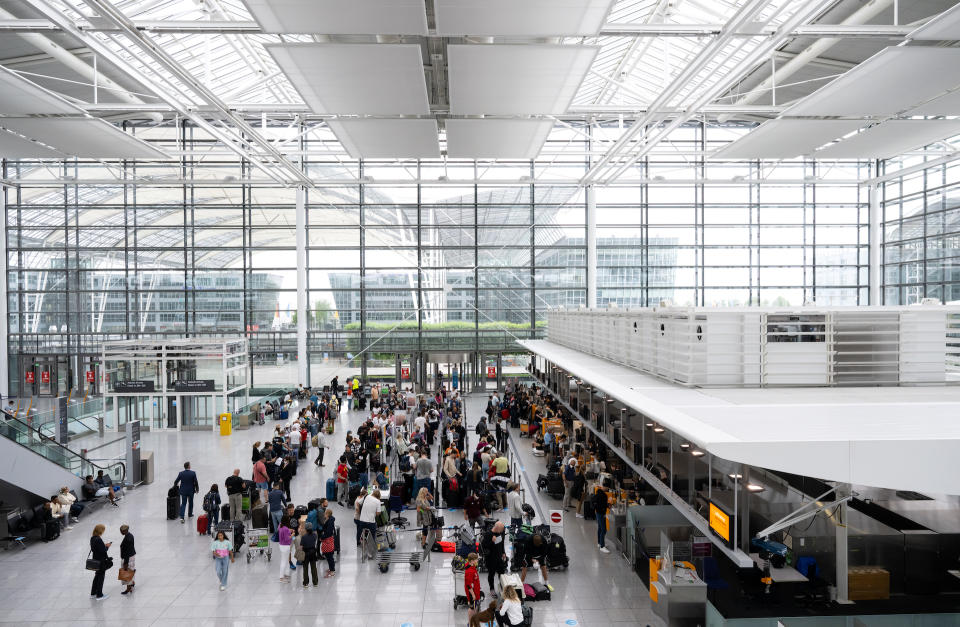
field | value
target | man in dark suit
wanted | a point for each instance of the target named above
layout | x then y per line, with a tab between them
189	485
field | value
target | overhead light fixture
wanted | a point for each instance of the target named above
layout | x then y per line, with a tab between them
697	453
735	477
649	424
658	429
685	445
753	487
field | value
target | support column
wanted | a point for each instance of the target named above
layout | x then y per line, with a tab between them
303	359
591	247
842	567
499	372
876	241
4	347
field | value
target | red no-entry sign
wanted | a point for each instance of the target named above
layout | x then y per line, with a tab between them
556	517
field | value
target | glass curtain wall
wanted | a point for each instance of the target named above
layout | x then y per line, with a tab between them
921	230
400	264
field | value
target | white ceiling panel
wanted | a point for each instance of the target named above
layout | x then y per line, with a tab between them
786	139
496	139
359	79
388	139
944	27
18	96
83	137
516	79
948	104
514	18
889	82
890	138
15	147
340	17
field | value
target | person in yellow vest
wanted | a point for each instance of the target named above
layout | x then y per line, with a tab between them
356	393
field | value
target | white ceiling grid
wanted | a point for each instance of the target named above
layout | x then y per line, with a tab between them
388	139
786	139
516	79
356	79
84	137
341	17
496	138
890	82
891	138
531	18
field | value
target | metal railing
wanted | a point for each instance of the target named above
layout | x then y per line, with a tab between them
46	446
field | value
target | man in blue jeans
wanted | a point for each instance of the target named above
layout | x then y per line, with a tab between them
189	485
277	500
600	508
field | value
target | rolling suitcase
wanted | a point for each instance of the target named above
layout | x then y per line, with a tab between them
225	511
541	592
173	507
331	489
527	616
336	539
588	512
202	522
260	518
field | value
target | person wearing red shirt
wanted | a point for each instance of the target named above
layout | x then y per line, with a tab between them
471	585
342	474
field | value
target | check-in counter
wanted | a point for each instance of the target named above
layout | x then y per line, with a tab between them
679	597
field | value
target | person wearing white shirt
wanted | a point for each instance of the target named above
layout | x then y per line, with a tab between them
510	613
368	512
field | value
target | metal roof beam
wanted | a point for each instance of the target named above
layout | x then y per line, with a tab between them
626	30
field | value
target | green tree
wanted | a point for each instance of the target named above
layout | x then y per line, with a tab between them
322	312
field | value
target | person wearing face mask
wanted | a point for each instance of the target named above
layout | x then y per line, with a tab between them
494	549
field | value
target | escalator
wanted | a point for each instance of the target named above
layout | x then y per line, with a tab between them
38	464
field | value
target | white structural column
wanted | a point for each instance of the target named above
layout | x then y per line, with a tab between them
303	365
843	569
4	347
876	238
591	246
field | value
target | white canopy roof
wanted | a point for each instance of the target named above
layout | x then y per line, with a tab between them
904	438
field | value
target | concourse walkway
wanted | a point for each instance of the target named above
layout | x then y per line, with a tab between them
46	584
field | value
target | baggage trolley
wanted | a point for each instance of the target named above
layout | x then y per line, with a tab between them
413	558
258	543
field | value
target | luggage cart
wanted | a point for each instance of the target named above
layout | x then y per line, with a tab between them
258	543
414	558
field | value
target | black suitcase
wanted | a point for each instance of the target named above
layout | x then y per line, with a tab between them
173	507
555	488
173	492
300	510
527	616
588	511
239	533
50	530
353	493
557	552
336	539
541	592
260	518
225	511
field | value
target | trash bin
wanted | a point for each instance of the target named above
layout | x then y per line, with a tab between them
226	424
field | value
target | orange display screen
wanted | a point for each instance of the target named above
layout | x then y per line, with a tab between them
720	522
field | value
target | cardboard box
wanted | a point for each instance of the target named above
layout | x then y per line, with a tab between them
868	583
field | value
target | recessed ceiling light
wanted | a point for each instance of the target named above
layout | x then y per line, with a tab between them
753	487
735	476
658	429
697	453
685	445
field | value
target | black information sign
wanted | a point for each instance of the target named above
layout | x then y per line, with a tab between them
133	387
135	432
63	433
199	385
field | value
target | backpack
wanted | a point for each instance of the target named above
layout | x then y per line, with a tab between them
404	463
208	501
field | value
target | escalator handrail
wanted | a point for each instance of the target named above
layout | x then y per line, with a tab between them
47	439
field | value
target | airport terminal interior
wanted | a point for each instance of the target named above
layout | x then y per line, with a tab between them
497	312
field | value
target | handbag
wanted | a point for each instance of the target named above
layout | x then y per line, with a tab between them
125	574
92	564
327	545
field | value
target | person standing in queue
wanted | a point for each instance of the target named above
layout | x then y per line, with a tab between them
98	550
495	552
600	509
128	555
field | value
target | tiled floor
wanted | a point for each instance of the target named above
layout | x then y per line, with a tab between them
176	584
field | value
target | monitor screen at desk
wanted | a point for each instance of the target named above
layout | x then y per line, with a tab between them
720	522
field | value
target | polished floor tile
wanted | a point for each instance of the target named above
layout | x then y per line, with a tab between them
46	584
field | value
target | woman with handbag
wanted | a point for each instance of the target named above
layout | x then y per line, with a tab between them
99	562
424	514
128	564
328	542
